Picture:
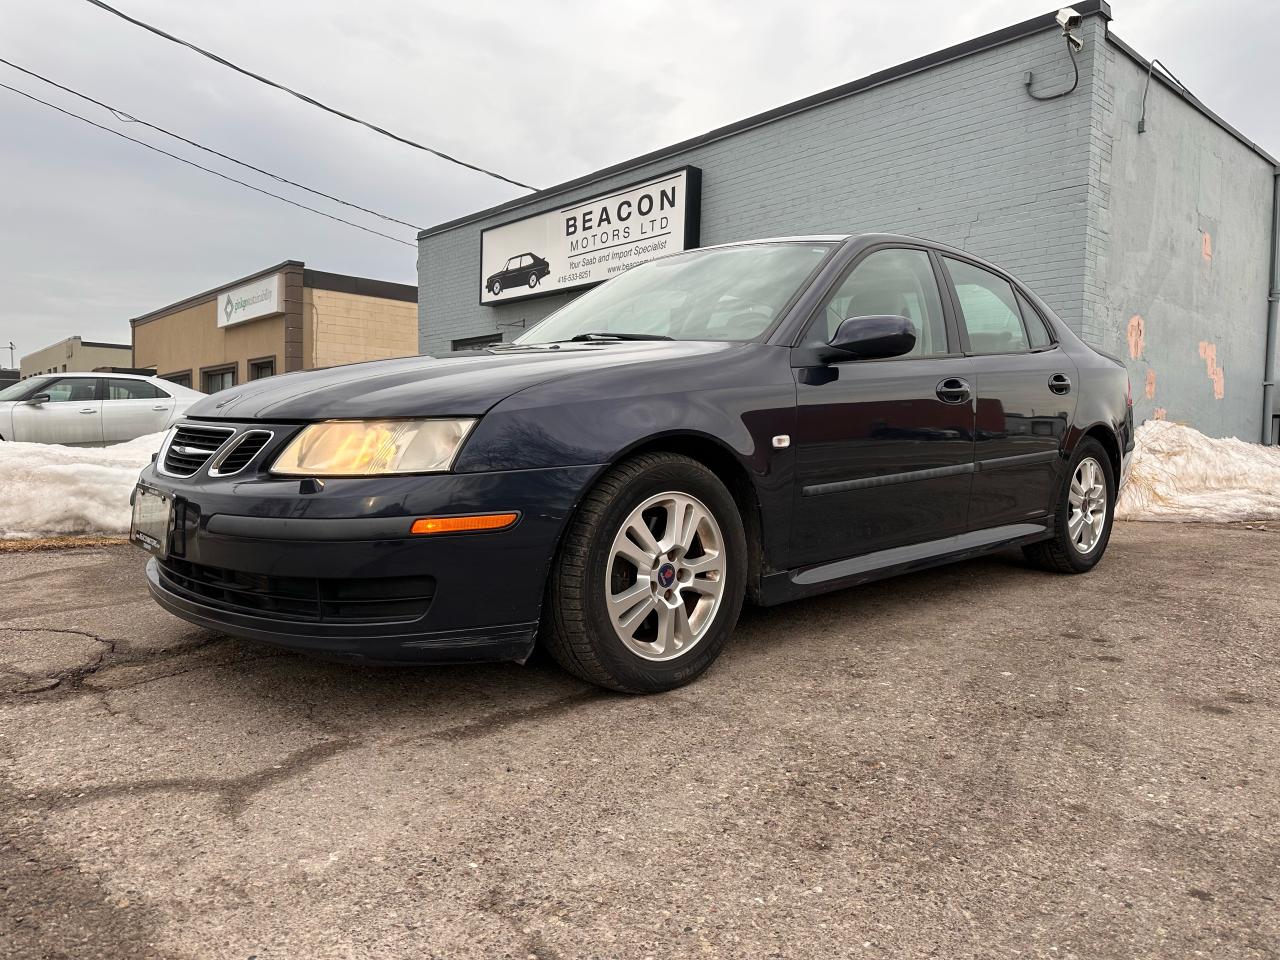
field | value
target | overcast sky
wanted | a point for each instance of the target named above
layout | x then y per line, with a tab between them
95	230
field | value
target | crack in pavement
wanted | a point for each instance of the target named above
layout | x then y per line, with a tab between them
71	681
236	793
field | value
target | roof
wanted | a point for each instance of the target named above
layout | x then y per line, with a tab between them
209	294
997	38
315	279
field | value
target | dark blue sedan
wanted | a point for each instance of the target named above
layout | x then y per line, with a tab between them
758	421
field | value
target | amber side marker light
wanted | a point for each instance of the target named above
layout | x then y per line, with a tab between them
484	521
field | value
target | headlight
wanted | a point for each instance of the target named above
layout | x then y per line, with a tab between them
360	448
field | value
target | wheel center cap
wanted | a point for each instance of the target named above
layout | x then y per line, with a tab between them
666	575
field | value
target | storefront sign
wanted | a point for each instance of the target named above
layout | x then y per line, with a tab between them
250	302
591	240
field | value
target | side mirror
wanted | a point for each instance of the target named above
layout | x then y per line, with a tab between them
873	338
39	399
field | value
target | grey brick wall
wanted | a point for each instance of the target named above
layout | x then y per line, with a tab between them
1155	197
958	153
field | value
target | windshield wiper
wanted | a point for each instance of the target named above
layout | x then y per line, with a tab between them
617	336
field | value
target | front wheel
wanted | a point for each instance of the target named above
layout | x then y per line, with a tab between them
650	578
1085	511
495	287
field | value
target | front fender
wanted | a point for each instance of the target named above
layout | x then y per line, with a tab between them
738	400
741	397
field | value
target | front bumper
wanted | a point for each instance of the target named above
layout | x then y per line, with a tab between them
336	571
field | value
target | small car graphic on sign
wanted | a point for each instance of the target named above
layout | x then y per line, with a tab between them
522	270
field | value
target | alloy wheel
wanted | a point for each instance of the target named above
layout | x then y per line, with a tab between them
666	576
1087	505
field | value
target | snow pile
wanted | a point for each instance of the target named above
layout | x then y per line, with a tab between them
1180	474
46	489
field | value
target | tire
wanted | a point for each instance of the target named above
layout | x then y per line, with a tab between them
1072	549
662	648
533	280
496	287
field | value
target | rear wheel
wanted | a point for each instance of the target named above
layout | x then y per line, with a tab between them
650	578
1085	509
533	280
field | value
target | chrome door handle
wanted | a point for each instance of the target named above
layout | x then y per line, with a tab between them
1060	383
90	410
161	407
954	390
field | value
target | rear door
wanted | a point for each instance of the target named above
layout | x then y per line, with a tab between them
134	408
1025	397
71	415
884	448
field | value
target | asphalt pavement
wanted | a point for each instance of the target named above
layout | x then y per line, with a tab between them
977	761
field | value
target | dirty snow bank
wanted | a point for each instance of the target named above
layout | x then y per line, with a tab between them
1180	474
50	489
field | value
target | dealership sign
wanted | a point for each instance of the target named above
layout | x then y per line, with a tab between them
250	302
591	240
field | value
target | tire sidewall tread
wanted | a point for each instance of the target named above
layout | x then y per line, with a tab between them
577	631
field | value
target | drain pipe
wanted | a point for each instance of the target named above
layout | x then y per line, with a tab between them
1273	308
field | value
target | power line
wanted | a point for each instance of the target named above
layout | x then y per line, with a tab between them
129	118
192	163
302	96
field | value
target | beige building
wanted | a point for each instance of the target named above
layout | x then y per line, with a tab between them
278	320
74	355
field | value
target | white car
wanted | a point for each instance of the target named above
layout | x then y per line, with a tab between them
86	409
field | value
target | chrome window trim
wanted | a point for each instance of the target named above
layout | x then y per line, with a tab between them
168	442
228	448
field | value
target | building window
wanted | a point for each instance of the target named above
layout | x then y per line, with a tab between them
265	367
182	378
220	378
477	343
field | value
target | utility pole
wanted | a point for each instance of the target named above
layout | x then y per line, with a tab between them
10	354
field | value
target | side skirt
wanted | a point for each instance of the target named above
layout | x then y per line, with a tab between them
808	581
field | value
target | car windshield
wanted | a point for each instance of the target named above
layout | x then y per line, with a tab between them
728	293
21	389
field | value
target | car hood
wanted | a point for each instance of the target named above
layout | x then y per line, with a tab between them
467	384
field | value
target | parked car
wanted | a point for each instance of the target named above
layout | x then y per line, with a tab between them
90	409
764	421
524	270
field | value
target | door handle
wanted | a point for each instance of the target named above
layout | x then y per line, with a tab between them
1060	383
161	407
89	410
954	390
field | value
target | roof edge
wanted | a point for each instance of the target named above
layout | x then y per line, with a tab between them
1189	97
212	292
958	51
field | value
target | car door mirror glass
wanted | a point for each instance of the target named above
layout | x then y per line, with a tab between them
873	338
39	399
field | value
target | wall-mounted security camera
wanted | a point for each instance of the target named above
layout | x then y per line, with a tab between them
1069	19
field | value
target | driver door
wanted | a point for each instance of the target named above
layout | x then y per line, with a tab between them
71	415
884	448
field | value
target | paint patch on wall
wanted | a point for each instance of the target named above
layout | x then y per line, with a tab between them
1213	370
1159	413
1151	384
1206	246
1137	336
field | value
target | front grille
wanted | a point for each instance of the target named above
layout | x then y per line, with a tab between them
240	453
313	599
191	447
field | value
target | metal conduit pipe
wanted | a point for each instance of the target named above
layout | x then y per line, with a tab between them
1273	319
